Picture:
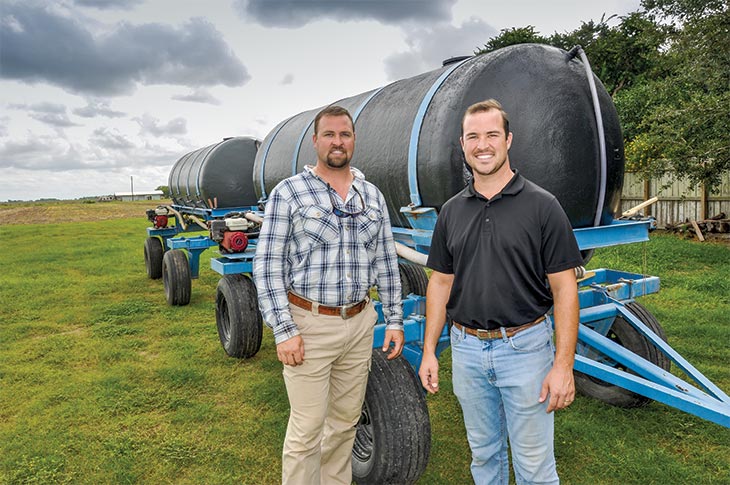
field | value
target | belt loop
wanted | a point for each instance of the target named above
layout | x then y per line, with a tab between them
463	331
504	333
315	308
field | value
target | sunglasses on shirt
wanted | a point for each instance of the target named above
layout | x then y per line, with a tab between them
340	212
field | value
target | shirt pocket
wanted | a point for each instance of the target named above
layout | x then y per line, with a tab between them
319	225
369	223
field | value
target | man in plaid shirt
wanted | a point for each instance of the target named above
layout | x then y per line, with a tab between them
325	241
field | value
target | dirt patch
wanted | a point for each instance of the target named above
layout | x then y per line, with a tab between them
72	211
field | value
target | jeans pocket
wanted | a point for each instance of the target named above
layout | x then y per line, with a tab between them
531	340
457	336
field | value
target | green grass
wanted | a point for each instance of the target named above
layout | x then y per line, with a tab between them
102	382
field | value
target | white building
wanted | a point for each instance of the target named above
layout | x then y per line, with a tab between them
129	196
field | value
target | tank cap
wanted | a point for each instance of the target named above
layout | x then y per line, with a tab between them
452	60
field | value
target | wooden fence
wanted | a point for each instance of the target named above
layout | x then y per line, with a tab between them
677	203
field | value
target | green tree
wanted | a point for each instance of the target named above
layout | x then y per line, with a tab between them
681	121
667	68
512	36
165	191
618	54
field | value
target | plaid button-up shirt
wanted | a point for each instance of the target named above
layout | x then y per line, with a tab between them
304	247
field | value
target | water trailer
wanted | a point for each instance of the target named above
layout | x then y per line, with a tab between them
567	139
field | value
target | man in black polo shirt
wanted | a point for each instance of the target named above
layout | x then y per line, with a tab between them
494	246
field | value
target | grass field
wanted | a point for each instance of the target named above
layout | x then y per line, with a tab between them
102	382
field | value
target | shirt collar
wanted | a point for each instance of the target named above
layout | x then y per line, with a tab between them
309	169
513	187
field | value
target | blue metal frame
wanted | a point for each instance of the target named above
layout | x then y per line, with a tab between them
195	245
602	296
600	304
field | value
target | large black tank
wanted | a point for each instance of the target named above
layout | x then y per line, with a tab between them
218	175
409	131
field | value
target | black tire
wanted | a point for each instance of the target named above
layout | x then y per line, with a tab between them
624	334
176	277
153	253
237	316
413	279
393	439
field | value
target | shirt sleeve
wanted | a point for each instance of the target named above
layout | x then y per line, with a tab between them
271	266
388	276
439	256
559	247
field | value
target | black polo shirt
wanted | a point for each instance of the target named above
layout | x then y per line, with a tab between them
499	251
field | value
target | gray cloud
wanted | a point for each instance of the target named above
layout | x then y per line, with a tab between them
150	125
295	13
110	140
96	108
112	63
106	150
198	96
430	46
40	153
288	79
53	119
50	113
44	107
109	4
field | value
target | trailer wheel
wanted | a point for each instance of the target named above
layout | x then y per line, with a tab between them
237	316
153	253
393	439
176	277
624	334
413	279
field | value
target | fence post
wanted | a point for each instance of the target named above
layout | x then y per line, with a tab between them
704	202
647	194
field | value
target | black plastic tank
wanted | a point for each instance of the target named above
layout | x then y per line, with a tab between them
407	133
219	175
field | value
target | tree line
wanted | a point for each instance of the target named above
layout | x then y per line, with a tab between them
667	68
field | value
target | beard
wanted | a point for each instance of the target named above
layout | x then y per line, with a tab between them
338	162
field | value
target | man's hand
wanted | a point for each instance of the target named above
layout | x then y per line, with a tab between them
396	338
559	384
291	351
429	373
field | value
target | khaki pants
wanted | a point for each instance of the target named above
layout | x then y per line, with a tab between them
326	394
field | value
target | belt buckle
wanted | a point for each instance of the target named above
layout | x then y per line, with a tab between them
344	308
483	334
343	311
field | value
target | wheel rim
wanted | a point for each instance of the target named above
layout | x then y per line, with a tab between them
613	337
362	449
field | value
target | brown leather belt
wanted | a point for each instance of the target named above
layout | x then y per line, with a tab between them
496	333
344	312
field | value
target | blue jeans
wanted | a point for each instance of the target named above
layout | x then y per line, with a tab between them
498	385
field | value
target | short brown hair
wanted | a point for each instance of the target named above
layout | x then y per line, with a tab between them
484	106
332	110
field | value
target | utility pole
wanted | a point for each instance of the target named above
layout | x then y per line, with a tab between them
131	181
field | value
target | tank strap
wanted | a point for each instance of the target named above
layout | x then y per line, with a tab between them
266	153
416	132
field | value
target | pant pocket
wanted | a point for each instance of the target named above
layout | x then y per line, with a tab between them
531	340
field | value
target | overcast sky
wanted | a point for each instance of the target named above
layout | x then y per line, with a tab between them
94	92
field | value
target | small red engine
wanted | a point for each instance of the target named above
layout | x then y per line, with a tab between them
234	241
232	232
158	217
